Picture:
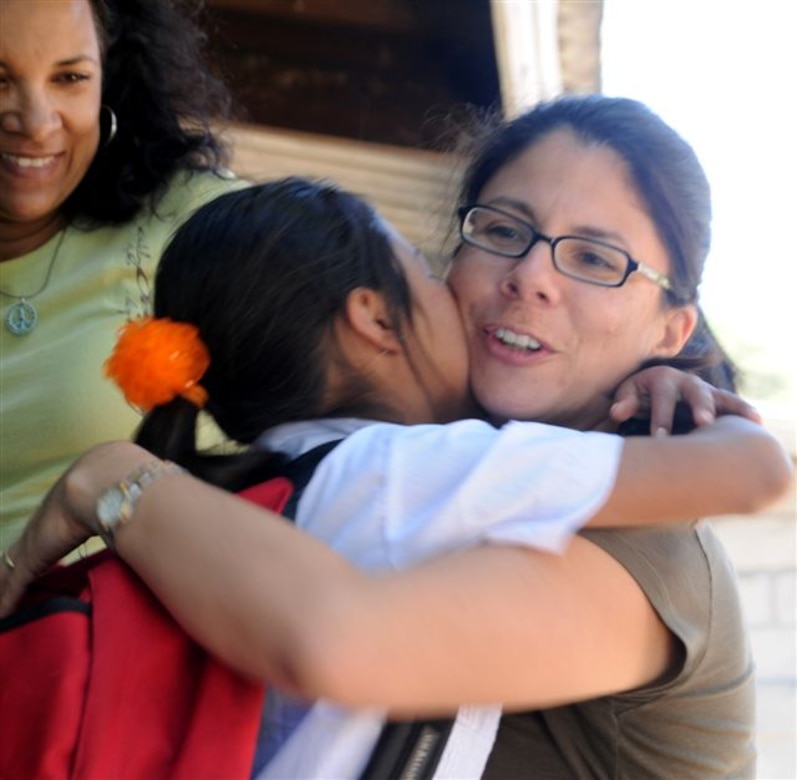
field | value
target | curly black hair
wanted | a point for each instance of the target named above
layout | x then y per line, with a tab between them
165	98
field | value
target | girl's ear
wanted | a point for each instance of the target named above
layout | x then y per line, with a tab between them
679	325
368	315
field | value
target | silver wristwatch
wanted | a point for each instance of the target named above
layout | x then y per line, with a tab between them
116	505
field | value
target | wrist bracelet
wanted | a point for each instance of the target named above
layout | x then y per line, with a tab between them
116	505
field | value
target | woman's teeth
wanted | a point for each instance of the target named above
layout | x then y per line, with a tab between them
28	162
517	340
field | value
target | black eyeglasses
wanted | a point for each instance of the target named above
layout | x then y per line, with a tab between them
585	259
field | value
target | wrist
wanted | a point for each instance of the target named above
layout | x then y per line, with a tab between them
115	507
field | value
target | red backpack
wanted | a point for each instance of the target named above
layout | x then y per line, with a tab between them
99	682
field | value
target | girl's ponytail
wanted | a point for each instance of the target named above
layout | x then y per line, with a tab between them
169	431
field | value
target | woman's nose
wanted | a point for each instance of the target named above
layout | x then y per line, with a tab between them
29	112
533	277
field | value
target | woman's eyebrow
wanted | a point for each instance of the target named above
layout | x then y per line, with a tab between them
590	231
70	61
76	60
515	205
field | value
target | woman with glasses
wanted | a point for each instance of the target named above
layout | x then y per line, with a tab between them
584	226
641	629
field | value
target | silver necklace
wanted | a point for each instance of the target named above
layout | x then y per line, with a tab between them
21	317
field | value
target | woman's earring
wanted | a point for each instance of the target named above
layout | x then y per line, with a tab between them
112	125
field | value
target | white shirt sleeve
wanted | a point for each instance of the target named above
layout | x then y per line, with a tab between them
390	496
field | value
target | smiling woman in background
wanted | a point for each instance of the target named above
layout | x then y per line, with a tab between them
105	148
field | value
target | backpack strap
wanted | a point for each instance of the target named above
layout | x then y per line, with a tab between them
408	750
300	470
281	491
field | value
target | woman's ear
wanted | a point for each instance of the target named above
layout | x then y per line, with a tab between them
368	315
680	323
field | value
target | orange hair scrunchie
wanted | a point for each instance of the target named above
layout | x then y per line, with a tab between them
155	360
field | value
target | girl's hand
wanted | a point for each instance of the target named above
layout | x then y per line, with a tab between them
66	517
656	391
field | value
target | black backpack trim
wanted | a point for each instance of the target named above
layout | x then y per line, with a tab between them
300	470
408	750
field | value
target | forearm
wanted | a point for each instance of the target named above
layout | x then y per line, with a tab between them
234	575
276	604
730	467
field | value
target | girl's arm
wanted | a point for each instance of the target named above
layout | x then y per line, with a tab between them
472	626
732	466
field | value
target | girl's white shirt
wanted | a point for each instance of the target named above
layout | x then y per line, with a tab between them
390	496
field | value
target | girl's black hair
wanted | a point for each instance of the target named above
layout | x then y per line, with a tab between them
156	81
262	272
667	176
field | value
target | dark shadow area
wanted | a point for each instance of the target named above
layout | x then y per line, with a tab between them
387	71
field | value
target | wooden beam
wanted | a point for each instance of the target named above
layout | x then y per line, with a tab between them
413	189
525	34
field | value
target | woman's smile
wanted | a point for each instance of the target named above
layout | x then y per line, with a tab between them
26	166
513	345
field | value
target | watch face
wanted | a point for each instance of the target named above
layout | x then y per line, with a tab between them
115	506
109	507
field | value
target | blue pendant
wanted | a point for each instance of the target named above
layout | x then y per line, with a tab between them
21	318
